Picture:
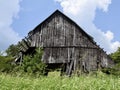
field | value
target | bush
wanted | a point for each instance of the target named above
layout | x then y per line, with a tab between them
114	70
5	64
32	64
12	50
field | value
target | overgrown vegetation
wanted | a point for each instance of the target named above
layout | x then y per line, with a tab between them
55	82
116	69
5	64
29	75
12	50
6	61
32	64
116	56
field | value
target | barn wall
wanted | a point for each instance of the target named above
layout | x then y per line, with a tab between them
63	41
59	31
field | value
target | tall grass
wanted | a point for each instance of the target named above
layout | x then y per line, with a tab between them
55	82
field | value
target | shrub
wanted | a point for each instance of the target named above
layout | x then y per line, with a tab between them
32	64
12	50
114	70
5	64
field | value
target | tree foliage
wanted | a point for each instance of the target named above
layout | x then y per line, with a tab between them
32	64
116	69
5	64
12	50
6	61
116	56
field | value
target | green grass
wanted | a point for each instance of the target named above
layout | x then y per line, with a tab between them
55	82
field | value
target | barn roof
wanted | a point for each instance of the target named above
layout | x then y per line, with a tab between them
60	13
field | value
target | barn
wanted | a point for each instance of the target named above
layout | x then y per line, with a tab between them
65	44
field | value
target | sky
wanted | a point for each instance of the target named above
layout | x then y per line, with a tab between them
99	18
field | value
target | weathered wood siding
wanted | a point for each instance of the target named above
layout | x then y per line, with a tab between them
57	32
64	41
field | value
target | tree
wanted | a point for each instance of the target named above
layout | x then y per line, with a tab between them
116	56
12	50
32	64
5	63
116	69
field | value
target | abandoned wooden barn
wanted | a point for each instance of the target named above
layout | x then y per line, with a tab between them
64	42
